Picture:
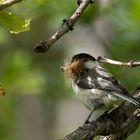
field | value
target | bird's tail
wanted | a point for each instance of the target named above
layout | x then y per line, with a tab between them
128	98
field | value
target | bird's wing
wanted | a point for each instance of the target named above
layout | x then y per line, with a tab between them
90	82
101	79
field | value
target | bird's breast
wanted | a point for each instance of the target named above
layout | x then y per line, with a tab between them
94	98
91	98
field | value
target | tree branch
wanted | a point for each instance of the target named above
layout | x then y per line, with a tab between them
114	62
115	122
8	3
127	127
67	25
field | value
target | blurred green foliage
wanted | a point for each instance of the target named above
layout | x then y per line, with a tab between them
124	42
14	23
24	72
125	39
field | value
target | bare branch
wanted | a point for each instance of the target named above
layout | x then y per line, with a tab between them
110	123
114	62
67	25
8	3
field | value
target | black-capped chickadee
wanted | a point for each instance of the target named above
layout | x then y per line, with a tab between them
94	85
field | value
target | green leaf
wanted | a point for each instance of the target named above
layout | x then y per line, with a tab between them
14	23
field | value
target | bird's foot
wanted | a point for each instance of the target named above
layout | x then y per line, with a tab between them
87	119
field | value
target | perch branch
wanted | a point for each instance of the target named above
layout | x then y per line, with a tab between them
109	123
8	3
125	130
114	62
67	25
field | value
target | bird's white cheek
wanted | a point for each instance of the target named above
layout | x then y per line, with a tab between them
91	64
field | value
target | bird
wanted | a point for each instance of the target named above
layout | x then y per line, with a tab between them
94	85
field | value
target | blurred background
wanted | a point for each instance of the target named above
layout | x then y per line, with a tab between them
39	103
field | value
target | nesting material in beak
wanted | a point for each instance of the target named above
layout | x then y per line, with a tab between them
74	69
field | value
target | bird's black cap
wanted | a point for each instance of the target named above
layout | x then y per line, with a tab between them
82	56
